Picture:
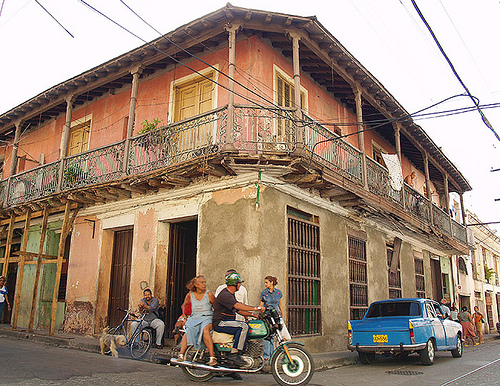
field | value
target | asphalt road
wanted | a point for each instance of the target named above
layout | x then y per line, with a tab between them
29	363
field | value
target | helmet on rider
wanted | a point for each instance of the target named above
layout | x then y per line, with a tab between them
233	278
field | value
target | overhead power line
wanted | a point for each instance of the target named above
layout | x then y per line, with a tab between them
474	100
54	18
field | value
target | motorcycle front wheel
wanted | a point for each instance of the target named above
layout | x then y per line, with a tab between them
197	356
298	371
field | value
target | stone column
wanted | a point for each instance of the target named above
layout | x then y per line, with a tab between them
229	144
63	148
361	134
136	73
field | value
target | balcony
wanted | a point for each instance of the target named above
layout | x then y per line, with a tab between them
257	132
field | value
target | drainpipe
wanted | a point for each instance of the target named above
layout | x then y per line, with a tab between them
361	134
136	73
296	96
229	143
63	149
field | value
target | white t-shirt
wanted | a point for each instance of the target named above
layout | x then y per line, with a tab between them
241	296
3	292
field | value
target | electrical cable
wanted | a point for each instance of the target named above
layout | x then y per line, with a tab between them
474	100
175	59
57	21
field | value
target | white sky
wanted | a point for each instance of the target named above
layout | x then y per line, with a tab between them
386	36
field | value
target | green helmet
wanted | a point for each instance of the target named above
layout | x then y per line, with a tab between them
233	278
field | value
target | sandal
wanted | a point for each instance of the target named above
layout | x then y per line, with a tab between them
180	357
212	361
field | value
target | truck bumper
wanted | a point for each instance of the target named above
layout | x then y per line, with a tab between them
387	348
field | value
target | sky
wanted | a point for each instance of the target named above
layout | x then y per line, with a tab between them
386	36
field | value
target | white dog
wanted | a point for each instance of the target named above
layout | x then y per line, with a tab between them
109	342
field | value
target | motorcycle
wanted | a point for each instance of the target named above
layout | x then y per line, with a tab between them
290	362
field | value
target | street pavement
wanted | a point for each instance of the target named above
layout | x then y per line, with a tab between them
39	362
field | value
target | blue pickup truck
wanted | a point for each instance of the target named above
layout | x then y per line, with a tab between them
403	326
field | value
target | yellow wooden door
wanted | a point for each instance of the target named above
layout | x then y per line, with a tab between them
192	99
78	139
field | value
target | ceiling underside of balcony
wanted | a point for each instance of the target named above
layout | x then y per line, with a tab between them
322	58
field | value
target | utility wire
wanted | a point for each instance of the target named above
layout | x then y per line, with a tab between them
474	100
54	18
195	56
284	112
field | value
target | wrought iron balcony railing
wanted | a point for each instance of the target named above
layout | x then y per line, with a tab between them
256	130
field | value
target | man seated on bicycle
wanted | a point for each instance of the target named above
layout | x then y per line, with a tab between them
149	305
224	318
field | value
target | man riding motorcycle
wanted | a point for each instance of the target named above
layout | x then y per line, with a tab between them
224	317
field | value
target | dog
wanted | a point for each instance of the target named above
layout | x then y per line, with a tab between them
109	342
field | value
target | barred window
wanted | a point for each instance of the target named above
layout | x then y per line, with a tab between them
394	277
419	275
358	280
304	280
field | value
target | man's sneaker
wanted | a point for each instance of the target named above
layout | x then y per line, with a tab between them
236	359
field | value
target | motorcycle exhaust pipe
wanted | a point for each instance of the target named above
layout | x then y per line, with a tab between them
175	362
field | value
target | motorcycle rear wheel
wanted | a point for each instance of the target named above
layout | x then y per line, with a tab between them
197	356
295	373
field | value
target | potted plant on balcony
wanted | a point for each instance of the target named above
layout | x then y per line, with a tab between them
151	140
72	173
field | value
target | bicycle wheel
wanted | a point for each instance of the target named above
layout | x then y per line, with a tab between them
140	344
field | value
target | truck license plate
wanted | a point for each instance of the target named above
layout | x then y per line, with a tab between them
380	339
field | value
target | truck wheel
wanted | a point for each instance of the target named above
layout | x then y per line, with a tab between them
427	354
366	357
457	352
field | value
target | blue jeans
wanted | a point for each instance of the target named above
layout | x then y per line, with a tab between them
1	310
236	328
268	346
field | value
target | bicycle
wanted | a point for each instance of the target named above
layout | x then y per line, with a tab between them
140	340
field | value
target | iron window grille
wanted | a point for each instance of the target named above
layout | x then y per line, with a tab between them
358	280
304	280
419	277
394	278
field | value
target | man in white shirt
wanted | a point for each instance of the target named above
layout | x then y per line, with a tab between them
241	295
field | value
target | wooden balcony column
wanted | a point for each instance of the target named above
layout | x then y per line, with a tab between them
361	134
15	147
229	144
63	149
136	73
464	216
447	198
397	141
296	96
428	184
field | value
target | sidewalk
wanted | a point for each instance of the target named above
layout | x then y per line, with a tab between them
322	361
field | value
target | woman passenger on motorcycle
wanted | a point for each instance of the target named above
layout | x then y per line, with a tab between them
271	297
199	323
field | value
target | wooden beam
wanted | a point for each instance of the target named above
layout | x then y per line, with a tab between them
20	269
8	246
118	191
43	234
60	255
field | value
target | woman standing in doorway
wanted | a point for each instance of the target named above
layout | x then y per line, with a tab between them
478	322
